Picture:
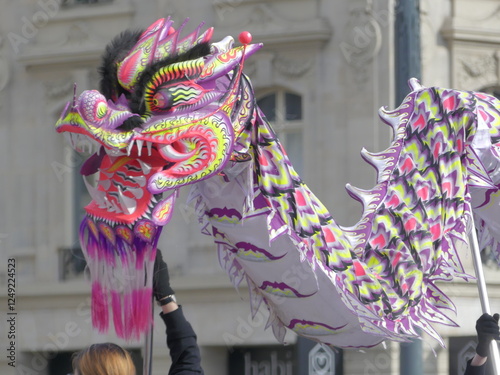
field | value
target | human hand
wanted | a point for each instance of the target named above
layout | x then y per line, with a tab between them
487	330
161	278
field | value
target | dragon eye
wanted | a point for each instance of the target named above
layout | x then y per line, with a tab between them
94	107
161	101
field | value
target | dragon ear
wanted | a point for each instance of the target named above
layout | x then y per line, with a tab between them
158	42
224	61
140	56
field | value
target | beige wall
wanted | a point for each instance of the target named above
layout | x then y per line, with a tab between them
335	53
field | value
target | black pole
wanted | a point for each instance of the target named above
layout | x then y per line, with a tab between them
408	65
407	46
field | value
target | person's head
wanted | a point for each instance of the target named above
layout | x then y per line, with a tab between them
103	359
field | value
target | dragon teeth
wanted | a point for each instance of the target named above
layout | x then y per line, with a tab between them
146	168
139	143
81	143
138	193
149	145
128	205
141	180
129	147
97	196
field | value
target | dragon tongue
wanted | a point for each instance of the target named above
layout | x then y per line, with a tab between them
92	164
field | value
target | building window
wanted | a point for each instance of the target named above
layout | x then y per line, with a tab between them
72	263
283	109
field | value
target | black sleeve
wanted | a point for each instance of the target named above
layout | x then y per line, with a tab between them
475	370
181	341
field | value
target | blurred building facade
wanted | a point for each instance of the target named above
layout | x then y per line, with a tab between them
332	62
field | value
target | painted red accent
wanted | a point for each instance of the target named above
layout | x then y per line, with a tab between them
436	231
395	261
359	269
449	103
379	241
299	198
404	287
437	150
420	123
447	188
410	224
423	193
394	201
245	37
329	236
263	161
407	165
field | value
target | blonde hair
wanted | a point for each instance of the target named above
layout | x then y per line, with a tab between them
103	359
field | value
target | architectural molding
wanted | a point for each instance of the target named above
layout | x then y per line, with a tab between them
362	37
292	67
79	44
58	89
106	11
474	41
270	28
456	32
4	67
474	71
75	34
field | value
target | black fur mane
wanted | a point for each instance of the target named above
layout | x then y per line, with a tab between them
115	52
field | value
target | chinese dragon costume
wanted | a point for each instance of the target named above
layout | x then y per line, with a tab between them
177	111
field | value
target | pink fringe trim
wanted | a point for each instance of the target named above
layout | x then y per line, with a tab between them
100	312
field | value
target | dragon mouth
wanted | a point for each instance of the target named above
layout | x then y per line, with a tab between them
130	179
119	190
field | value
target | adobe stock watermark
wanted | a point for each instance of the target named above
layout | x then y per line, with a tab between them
30	27
248	325
71	161
223	7
61	340
364	38
381	364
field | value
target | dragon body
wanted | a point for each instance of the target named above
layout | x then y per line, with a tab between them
179	112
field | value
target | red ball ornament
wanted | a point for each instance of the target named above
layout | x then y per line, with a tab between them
245	37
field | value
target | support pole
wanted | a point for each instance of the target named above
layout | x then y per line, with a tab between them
148	348
483	296
408	65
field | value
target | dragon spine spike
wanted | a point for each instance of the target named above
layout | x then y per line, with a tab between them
414	84
222	46
390	117
166	29
74	96
380	161
365	197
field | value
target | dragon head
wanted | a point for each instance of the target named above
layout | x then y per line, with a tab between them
170	112
173	104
